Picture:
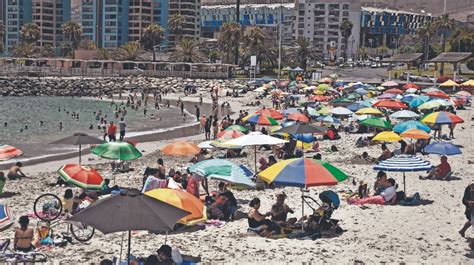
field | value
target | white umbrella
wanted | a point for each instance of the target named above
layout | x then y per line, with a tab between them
341	111
404	114
389	84
411	90
442	102
205	145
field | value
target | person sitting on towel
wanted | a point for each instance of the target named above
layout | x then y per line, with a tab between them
386	196
258	222
280	211
440	171
386	154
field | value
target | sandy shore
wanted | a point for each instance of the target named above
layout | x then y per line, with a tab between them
373	234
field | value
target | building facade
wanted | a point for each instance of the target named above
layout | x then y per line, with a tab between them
319	21
191	11
266	16
50	15
17	13
140	16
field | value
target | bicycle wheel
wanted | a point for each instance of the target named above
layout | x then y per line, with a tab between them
82	232
48	207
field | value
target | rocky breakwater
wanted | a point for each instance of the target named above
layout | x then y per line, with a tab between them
95	87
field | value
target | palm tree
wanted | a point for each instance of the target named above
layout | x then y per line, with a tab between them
103	54
2	34
73	32
302	52
30	33
130	51
87	44
425	33
254	40
175	25
444	25
462	40
363	54
152	35
229	39
187	51
346	30
23	49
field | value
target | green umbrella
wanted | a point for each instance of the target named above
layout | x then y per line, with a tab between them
237	128
117	151
341	101
353	96
376	122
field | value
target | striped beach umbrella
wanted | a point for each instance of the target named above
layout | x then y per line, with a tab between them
8	152
6	218
275	114
81	176
261	120
223	170
302	172
404	163
407	125
236	127
442	117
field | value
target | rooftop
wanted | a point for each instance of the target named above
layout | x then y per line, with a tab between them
380	10
451	57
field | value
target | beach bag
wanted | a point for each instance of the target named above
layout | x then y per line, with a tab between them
400	196
411	201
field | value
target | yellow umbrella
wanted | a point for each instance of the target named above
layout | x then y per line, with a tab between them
469	82
324	111
449	83
415	134
387	137
303	145
369	111
318	92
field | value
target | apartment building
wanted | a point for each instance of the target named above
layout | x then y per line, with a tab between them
191	11
17	13
50	15
140	16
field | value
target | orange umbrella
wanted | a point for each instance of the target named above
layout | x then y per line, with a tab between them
407	86
319	98
437	94
275	114
230	134
183	200
7	152
298	117
180	148
390	104
394	91
415	134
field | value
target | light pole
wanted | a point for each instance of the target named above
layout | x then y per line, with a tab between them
237	19
279	38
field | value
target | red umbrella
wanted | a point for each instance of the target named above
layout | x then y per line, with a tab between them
298	117
437	94
7	152
81	176
390	104
275	114
409	85
394	91
230	134
443	79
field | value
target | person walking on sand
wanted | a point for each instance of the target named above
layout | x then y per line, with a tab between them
122	126
197	112
207	128
111	131
181	106
468	201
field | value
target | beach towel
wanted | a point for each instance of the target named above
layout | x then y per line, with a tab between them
215	223
152	183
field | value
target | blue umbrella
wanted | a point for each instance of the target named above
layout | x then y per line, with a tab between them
418	101
329	119
442	148
407	125
359	85
306	138
355	107
361	91
329	196
408	98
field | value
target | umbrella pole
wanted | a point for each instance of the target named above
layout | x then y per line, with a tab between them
129	246
80	153
302	202
404	185
255	157
166	236
121	247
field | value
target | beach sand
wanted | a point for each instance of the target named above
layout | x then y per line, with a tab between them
373	234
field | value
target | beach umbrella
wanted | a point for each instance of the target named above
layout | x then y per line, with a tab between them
275	114
352	96
237	128
404	163
429	105
298	117
289	111
260	120
222	170
260	89
411	90
415	134
79	139
355	107
404	114
83	177
411	86
394	91
324	111
358	85
448	83
8	152
341	101
463	93
437	94
361	91
305	138
442	117
369	111
390	104
407	125
6	218
341	111
442	148
180	148
319	98
469	82
376	122
312	112
205	145
408	98
229	134
418	101
387	137
129	211
302	128
389	84
117	151
387	96
182	200
443	102
222	143
329	119
325	80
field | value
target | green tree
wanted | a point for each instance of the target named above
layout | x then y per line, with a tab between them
130	51
152	36
363	54
103	54
30	33
346	30
175	25
87	44
425	33
2	35
229	39
443	25
302	52
23	49
72	31
255	41
462	40
47	51
470	64
213	55
187	51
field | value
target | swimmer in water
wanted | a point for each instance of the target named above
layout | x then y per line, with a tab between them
60	126
5	124
26	127
41	123
152	116
91	127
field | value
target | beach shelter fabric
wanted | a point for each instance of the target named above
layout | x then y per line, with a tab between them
442	148
429	105
302	172
410	85
180	148
387	137
254	139
229	134
205	145
448	83
341	111
8	152
117	151
389	84
129	211
369	111
390	104
302	128
376	122
394	91
442	117
418	101
261	120
415	134
404	114
6	218
223	170
275	114
81	176
298	117
184	201
437	94
469	82
237	128
407	125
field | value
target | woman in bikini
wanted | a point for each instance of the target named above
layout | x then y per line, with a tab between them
23	235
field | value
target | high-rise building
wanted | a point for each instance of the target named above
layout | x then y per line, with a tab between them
50	15
191	11
160	15
140	16
17	13
319	20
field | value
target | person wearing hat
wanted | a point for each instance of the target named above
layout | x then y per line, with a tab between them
280	211
23	235
164	254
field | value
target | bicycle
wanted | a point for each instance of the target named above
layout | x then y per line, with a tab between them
17	256
48	207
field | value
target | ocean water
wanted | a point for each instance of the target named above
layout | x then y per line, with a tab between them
23	116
